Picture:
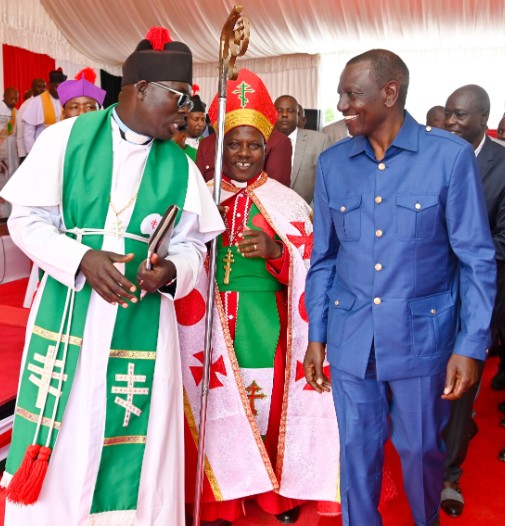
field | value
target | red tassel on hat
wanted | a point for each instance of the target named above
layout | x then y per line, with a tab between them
158	36
30	491
195	88
20	478
88	74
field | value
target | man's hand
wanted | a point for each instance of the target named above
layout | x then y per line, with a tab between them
462	373
258	244
162	272
313	366
103	276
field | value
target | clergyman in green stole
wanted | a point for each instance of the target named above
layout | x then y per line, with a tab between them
56	338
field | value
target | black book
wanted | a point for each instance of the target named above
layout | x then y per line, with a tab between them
159	242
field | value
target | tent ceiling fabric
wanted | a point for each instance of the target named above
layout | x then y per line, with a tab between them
108	31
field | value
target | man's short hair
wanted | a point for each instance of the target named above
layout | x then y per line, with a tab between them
386	66
481	97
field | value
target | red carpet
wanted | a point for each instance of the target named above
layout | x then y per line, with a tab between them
13	293
483	481
11	349
12	332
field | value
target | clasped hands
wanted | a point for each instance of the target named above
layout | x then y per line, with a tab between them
99	268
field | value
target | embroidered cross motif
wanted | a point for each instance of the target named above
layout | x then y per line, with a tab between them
254	392
46	375
242	90
300	374
130	391
217	367
305	238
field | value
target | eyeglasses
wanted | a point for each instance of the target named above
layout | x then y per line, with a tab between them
184	101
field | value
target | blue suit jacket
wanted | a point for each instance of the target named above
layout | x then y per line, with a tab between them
403	257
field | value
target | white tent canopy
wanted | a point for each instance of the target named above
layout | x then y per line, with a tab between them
297	46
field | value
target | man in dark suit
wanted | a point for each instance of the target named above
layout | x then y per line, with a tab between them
307	145
466	115
277	157
400	289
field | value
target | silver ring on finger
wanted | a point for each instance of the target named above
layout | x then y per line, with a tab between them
255	248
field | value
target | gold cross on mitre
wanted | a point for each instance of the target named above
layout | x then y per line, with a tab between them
242	90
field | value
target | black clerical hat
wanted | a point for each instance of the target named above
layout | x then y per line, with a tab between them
198	105
57	76
158	58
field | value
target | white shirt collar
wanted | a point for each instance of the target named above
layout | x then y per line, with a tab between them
481	145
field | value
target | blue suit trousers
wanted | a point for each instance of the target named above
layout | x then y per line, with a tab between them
367	409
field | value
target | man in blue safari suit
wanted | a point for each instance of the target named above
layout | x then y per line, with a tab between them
401	286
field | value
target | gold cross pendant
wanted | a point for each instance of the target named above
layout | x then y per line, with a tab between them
228	260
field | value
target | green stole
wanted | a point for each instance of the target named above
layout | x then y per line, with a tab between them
257	307
56	338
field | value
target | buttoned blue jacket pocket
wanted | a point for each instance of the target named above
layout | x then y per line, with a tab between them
433	328
346	213
340	304
416	215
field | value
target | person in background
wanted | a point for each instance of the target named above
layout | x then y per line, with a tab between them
196	124
9	160
435	117
400	290
306	144
500	131
179	138
302	119
263	423
336	131
38	87
111	444
43	110
80	95
466	114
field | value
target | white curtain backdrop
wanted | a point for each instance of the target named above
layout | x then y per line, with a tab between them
26	24
298	47
296	75
434	75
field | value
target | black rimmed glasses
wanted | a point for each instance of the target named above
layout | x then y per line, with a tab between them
184	101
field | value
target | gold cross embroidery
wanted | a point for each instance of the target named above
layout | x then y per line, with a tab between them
254	392
228	260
